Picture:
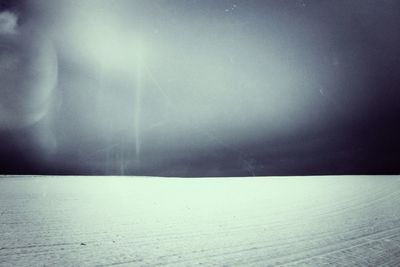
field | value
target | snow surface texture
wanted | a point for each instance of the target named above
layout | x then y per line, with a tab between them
126	221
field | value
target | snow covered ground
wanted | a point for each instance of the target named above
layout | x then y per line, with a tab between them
128	221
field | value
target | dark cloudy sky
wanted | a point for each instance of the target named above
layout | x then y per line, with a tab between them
200	88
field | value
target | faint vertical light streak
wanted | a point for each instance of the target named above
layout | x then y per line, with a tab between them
138	99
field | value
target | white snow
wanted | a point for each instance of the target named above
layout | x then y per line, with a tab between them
143	221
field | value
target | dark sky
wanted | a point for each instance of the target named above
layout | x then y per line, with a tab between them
200	88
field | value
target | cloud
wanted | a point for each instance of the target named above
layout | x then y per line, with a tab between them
8	22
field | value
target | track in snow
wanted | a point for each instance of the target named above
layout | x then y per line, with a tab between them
132	221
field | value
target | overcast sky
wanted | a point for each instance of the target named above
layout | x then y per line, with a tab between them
200	88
